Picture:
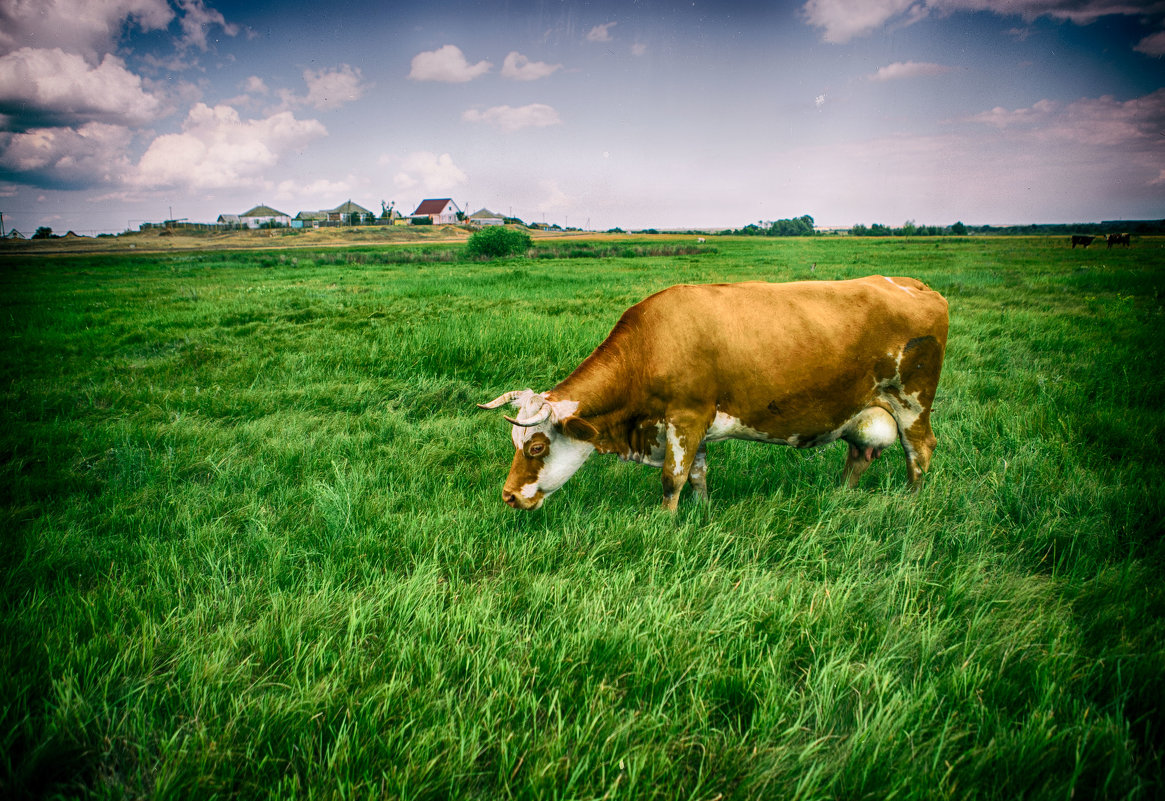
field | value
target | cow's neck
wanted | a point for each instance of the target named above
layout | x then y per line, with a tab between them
604	387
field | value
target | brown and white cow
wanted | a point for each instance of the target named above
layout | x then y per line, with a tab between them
1118	239
803	364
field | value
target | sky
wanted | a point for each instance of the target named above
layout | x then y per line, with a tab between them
594	114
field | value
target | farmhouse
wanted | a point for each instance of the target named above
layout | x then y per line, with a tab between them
486	217
442	211
263	215
350	213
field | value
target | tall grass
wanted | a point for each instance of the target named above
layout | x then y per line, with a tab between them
255	547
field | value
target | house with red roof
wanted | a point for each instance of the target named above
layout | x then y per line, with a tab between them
442	211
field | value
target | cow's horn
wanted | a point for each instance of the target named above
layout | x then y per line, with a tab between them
502	399
543	412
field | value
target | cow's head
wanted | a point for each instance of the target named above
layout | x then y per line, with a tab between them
550	444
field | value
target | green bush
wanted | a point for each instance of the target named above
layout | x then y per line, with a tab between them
496	241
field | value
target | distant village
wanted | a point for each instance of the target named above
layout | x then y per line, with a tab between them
431	211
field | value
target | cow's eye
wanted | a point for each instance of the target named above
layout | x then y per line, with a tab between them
537	448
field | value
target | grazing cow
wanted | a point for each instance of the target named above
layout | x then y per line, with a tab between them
700	240
1118	239
1083	241
802	364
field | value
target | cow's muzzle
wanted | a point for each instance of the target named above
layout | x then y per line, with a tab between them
517	501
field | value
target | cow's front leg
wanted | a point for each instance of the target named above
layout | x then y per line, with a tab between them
681	448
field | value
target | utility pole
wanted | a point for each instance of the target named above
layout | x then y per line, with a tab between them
1	225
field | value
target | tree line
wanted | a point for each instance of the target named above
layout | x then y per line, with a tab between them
803	226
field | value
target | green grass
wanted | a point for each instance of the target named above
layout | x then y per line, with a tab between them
255	546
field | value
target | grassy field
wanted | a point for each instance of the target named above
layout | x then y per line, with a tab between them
254	544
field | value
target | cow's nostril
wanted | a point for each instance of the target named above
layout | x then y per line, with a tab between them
510	499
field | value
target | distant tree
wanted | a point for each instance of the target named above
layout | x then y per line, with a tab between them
798	226
958	229
497	241
44	232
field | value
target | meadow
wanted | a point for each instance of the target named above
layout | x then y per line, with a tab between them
254	544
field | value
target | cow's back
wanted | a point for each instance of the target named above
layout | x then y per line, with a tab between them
784	358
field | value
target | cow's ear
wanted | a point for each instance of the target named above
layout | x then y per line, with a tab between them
580	429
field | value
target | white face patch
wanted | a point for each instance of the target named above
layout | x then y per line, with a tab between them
566	456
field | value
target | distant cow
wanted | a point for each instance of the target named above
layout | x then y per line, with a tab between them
1118	239
801	364
1083	241
700	239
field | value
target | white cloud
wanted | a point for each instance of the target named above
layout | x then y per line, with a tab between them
843	20
446	64
1133	124
520	68
429	172
1093	159
1003	118
333	88
601	33
197	19
255	85
1152	45
509	119
909	69
218	149
90	27
554	199
92	154
59	87
317	192
326	89
638	49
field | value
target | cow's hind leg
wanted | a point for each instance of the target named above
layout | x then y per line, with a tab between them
910	397
698	475
919	443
